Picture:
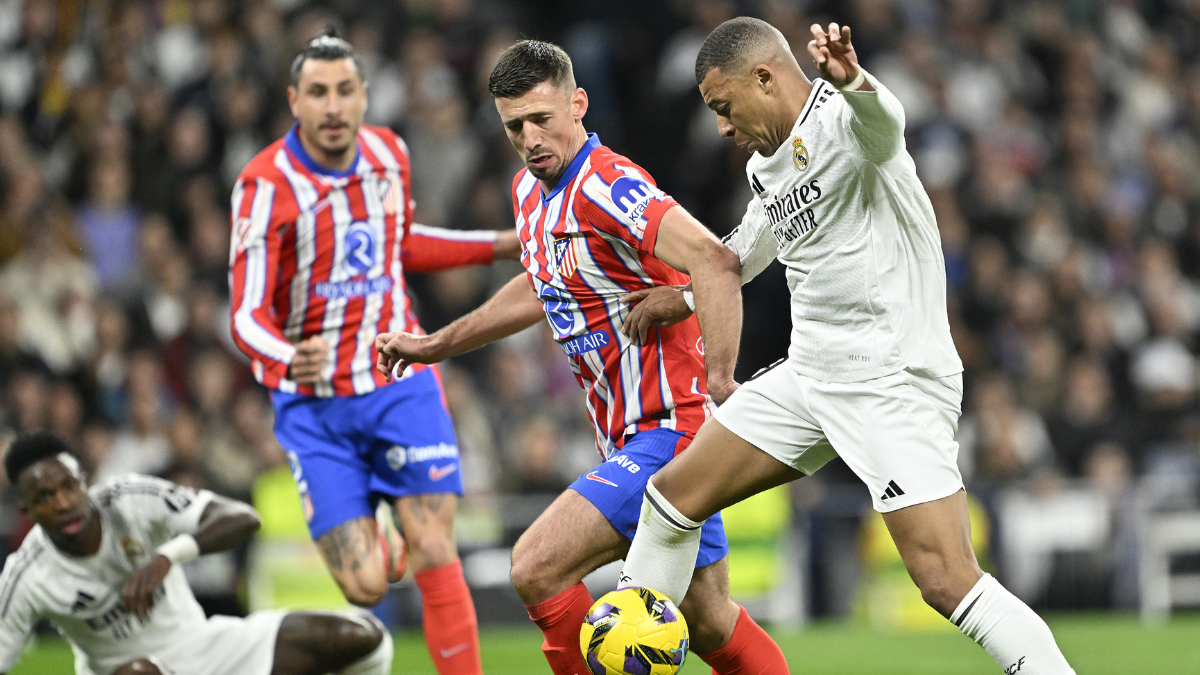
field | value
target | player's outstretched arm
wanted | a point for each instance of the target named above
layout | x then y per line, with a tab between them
512	309
877	120
224	525
432	249
688	246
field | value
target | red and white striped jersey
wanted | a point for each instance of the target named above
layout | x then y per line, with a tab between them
585	245
320	252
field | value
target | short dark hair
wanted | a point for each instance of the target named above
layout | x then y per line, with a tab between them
29	449
326	47
730	43
527	64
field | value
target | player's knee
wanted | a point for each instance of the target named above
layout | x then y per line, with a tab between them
362	590
359	637
432	547
529	574
139	667
710	624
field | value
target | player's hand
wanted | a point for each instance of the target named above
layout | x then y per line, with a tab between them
720	391
833	54
309	360
508	246
138	595
660	306
397	351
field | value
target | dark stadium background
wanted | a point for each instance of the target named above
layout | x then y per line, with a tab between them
1059	143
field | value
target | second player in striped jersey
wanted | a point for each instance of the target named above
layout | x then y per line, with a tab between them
594	228
323	235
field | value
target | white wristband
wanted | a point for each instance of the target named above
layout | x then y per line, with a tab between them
856	82
181	549
690	299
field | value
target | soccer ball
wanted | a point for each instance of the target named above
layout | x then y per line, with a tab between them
634	631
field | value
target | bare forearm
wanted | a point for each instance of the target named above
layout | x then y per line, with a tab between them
511	310
225	525
716	287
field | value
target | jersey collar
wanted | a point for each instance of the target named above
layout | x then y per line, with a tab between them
292	141
593	142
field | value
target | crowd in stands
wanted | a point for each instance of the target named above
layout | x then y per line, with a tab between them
1059	143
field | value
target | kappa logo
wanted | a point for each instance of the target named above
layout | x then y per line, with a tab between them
437	473
598	479
893	490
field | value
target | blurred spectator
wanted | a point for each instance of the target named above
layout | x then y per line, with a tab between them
999	439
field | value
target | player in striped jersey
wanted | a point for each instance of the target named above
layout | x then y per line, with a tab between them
595	227
323	235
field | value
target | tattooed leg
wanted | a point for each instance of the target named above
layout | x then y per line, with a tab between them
352	554
428	525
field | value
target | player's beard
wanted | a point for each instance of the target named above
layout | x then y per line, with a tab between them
550	174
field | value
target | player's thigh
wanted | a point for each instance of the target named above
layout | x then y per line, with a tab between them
313	643
934	540
710	613
571	539
352	553
331	471
719	469
896	433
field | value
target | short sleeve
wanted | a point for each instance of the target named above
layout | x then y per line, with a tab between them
624	202
752	241
17	614
163	508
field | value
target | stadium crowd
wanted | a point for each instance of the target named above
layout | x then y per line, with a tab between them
1059	143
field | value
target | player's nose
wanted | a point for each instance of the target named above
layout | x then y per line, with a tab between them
725	127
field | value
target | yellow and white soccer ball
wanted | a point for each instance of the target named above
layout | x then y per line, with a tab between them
634	631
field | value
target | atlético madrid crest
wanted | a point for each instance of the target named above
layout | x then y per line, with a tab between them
799	153
564	256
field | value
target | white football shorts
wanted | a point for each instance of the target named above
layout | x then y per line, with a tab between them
895	432
226	645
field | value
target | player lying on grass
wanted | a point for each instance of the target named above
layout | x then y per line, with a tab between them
593	227
872	374
103	566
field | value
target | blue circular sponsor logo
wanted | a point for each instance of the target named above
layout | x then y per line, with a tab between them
359	248
631	196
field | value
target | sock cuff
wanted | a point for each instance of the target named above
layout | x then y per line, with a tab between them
442	583
667	511
960	614
555	608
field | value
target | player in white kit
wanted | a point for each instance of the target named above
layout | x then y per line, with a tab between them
103	566
872	374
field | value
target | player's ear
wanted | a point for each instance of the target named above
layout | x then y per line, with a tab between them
763	78
292	94
579	104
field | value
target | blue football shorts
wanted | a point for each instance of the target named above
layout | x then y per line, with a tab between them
395	441
616	487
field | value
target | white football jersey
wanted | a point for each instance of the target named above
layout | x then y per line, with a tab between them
81	597
840	205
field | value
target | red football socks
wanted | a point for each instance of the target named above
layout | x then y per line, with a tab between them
451	630
750	651
560	619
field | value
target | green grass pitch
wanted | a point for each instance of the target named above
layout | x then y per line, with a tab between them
1103	644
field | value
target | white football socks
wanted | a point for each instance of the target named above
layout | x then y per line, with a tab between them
663	554
1012	634
379	661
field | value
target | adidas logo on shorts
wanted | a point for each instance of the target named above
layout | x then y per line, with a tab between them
893	490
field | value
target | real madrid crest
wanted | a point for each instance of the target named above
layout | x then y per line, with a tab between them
133	550
799	153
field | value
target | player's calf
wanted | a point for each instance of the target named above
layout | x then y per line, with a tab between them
428	525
